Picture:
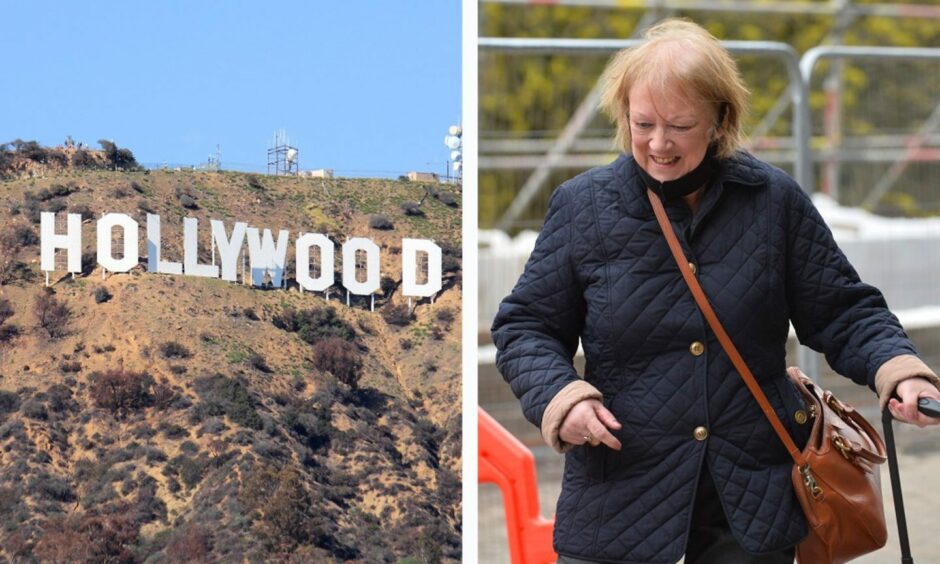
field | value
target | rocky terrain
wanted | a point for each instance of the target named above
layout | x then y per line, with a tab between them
155	417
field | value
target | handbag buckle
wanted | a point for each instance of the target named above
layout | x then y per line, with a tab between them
810	482
836	405
840	443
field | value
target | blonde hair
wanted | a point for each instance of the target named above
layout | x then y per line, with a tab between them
680	55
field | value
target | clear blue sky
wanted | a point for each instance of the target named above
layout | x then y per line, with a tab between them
367	88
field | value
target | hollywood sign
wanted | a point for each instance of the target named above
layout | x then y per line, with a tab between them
265	255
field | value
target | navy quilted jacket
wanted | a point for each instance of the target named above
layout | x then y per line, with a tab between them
601	272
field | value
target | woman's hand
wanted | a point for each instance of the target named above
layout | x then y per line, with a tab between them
588	422
910	391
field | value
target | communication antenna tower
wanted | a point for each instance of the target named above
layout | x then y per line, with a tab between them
215	161
454	141
282	157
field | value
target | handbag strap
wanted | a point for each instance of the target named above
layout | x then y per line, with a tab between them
718	329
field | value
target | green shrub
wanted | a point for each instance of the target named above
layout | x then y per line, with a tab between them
314	324
188	202
227	396
24	236
382	222
82	210
310	424
191	471
144	206
412	208
34	410
258	362
83	159
9	402
61	190
119	158
397	314
173	349
49	487
56	205
30	150
102	295
254	183
446	198
6	310
172	430
445	315
59	398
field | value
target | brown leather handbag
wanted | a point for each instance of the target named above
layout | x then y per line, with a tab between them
835	477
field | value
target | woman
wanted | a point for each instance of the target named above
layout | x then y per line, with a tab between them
667	452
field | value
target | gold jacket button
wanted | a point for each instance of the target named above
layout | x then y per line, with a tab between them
692	267
800	416
697	348
700	433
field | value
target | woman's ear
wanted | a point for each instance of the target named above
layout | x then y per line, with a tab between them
720	122
722	114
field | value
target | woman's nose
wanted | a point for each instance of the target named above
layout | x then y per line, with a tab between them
658	139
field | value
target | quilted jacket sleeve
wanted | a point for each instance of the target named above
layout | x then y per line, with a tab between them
832	310
537	327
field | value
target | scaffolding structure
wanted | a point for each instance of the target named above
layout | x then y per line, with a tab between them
282	156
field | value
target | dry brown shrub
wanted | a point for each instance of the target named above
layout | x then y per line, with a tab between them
340	358
52	314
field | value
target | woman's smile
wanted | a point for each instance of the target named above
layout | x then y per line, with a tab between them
669	135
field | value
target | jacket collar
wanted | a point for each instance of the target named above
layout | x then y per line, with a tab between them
740	169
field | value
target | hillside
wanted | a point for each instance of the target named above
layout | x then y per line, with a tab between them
159	417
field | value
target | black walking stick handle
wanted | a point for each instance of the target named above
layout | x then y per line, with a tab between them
929	407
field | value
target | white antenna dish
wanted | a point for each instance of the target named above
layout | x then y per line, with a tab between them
458	166
455	130
452	141
456	156
291	155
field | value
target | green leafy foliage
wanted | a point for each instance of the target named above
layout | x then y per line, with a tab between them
314	324
119	158
220	395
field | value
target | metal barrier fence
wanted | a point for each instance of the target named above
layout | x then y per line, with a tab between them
897	147
794	92
889	132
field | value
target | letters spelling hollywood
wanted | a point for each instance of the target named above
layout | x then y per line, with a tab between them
264	255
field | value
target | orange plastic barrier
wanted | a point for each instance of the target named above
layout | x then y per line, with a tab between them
506	462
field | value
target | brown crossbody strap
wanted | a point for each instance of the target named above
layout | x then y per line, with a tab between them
717	328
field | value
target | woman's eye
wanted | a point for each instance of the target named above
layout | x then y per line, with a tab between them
682	127
642	125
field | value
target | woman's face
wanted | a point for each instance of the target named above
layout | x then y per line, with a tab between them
669	135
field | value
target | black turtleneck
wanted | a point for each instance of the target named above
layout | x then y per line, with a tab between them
686	184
